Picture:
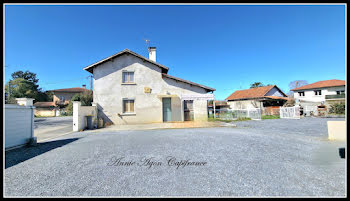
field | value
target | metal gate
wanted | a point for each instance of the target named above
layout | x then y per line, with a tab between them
290	112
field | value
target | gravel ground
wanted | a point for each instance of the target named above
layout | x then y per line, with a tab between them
258	158
51	127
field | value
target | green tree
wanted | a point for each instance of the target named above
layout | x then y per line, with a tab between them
24	84
256	84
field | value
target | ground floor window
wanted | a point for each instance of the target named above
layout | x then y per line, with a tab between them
128	105
188	110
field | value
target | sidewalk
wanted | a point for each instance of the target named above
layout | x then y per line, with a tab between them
187	124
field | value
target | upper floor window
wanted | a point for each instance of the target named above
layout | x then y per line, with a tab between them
340	92
301	93
317	92
128	77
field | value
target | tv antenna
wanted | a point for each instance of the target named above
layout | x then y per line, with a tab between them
148	42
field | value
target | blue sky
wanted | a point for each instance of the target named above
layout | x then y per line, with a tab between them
224	47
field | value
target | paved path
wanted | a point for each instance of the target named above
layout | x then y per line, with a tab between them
51	127
257	158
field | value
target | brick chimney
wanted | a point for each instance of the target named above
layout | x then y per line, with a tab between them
152	53
84	86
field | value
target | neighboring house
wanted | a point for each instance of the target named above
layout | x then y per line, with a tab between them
62	97
130	89
320	93
259	97
47	109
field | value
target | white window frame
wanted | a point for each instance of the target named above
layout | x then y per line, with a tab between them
301	92
318	92
340	92
128	81
128	112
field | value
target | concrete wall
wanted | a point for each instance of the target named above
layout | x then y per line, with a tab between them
336	130
311	97
19	125
80	113
109	91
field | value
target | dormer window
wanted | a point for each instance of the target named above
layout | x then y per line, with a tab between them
317	92
128	77
301	93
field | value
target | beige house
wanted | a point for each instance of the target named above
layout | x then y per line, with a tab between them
45	109
62	97
130	89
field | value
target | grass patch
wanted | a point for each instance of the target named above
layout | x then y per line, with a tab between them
270	117
243	119
228	121
217	119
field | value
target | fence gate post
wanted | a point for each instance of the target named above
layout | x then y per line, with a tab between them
76	116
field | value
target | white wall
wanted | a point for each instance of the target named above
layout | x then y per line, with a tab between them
311	97
19	125
244	104
80	113
108	91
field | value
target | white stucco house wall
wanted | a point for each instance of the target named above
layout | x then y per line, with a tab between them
130	89
321	92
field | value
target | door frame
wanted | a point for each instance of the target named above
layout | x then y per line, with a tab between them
163	109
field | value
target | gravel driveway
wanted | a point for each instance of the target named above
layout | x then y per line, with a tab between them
258	158
52	127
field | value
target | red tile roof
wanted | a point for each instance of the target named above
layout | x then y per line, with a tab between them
252	93
277	97
73	90
322	84
44	104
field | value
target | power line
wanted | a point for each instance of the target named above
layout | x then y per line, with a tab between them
86	77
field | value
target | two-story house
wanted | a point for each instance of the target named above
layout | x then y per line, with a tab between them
129	89
320	93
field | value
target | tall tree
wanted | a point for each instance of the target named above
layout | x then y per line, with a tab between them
295	84
256	84
24	84
30	76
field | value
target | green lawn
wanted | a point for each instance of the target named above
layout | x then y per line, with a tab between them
227	121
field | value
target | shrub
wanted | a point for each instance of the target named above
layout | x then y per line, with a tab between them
337	108
85	99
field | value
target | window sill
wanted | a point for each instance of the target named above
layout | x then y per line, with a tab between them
127	114
128	83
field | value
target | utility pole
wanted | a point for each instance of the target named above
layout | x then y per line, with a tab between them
9	95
